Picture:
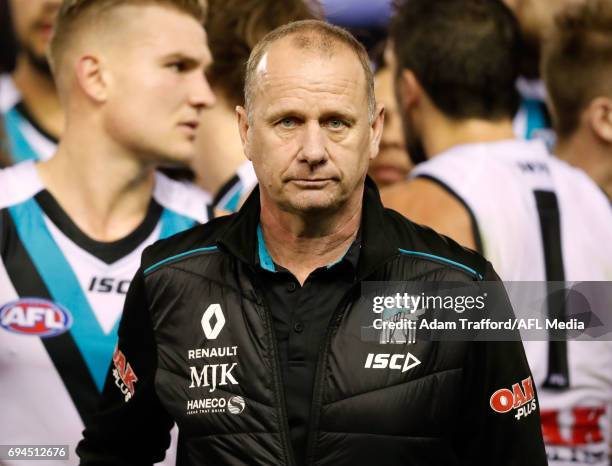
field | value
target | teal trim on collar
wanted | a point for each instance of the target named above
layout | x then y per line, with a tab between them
329	266
536	119
265	260
155	266
443	260
20	148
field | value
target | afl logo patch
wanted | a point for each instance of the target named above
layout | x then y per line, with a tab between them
37	317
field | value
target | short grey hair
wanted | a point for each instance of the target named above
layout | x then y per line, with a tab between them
309	34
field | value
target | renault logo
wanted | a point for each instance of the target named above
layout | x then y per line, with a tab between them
212	332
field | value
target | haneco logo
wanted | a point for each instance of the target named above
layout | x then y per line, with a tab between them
212	332
236	404
33	316
392	361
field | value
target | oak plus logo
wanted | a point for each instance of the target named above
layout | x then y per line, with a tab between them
521	398
403	362
213	321
124	375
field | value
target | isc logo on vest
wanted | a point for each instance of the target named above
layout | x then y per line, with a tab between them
33	316
403	362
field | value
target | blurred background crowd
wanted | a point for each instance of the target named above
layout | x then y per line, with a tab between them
33	118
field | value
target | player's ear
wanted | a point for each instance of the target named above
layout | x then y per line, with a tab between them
409	90
599	115
91	78
243	129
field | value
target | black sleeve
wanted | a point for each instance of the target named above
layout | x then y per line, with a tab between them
131	427
501	418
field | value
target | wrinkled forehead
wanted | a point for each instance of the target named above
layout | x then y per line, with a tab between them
286	69
286	54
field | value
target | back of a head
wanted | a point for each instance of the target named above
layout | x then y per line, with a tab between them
234	27
463	52
76	17
577	62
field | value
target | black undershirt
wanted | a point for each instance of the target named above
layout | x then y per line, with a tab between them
107	252
301	316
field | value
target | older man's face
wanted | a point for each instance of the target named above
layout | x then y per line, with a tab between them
309	135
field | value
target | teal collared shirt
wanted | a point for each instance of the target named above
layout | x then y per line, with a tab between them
266	262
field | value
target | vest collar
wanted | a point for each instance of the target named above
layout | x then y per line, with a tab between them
379	243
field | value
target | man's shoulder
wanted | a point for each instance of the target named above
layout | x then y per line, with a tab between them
425	200
474	161
580	198
185	199
9	95
568	175
201	239
234	192
423	243
18	184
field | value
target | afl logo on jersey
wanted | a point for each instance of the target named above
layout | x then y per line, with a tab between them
33	316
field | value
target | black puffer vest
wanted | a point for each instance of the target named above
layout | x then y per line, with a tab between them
218	371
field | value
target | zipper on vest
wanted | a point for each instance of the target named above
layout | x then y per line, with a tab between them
279	387
317	392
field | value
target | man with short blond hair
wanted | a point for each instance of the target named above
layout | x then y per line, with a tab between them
131	79
79	19
247	331
580	52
